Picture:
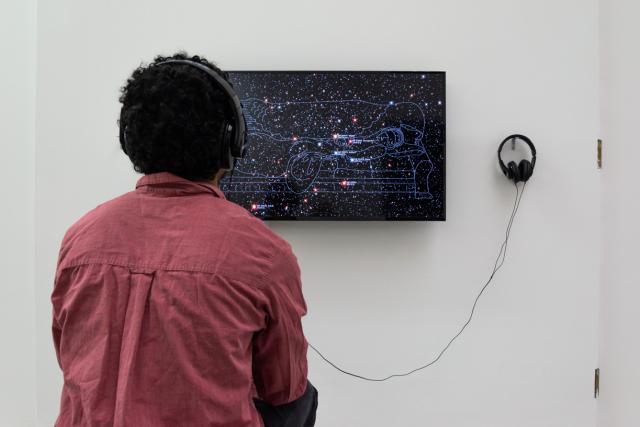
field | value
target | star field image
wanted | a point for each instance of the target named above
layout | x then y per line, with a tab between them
341	145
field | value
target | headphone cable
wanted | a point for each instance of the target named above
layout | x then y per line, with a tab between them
496	267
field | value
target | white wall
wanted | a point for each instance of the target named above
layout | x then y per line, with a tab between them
620	295
17	126
383	297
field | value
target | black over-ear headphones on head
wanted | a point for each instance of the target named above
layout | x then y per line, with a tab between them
523	170
234	135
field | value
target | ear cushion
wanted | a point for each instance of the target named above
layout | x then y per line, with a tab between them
514	172
525	169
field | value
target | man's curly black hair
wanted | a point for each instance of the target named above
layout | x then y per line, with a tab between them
173	116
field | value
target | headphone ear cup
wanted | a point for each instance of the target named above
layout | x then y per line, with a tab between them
224	153
514	172
525	169
240	140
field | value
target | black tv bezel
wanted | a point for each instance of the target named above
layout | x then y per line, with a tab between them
371	218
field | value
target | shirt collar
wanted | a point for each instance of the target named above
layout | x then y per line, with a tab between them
170	184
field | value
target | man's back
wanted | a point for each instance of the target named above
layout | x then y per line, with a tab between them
175	307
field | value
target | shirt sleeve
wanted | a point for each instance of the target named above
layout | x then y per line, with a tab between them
57	335
280	350
56	328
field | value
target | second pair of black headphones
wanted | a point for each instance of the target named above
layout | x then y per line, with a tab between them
522	171
234	132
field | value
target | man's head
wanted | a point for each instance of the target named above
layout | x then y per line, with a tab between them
173	118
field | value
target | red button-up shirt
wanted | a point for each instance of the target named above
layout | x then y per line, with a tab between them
175	307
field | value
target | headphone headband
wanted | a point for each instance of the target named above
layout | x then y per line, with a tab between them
238	133
506	169
523	138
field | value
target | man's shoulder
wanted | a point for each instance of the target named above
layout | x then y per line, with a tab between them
254	242
254	230
101	212
90	227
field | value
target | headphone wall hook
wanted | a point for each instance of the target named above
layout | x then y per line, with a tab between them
513	143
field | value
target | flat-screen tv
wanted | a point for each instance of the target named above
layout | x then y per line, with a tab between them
341	145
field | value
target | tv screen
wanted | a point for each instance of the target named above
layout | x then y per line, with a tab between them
341	145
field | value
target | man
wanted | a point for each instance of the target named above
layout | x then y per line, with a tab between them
173	306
